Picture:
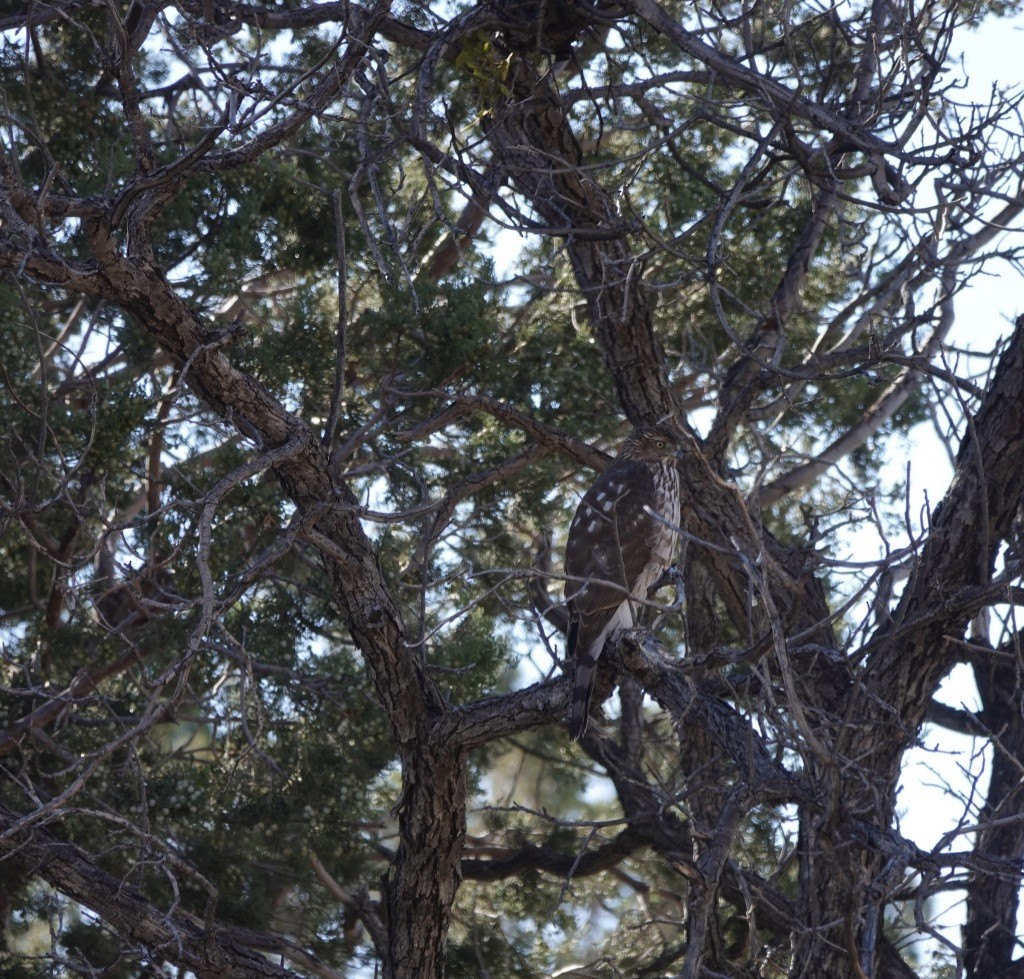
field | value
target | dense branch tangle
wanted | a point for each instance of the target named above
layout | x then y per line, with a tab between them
316	322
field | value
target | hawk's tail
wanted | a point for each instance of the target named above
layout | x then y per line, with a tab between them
582	693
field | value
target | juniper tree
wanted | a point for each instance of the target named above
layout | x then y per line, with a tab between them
318	319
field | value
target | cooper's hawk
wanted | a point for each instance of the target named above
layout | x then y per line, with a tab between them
617	550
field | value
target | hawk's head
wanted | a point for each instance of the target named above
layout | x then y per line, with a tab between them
650	442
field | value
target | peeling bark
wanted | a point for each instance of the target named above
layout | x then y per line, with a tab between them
802	723
190	943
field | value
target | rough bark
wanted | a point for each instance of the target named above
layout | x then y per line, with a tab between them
831	728
843	889
990	941
542	159
433	800
878	718
194	945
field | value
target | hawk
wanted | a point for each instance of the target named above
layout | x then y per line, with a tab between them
617	550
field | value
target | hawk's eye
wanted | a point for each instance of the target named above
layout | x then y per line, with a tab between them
660	444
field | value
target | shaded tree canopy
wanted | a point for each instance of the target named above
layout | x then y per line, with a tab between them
318	319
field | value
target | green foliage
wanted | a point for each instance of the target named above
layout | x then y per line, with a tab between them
127	502
487	70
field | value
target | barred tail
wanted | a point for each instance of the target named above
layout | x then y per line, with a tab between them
582	694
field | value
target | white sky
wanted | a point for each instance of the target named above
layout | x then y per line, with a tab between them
941	770
992	57
938	774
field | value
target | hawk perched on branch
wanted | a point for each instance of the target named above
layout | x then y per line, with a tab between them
617	550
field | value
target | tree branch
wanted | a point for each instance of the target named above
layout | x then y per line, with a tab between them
208	952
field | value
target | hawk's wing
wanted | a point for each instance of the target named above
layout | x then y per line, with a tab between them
609	541
610	544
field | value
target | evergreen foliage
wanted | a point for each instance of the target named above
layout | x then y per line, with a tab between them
190	690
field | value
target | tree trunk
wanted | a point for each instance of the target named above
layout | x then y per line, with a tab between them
421	885
993	896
